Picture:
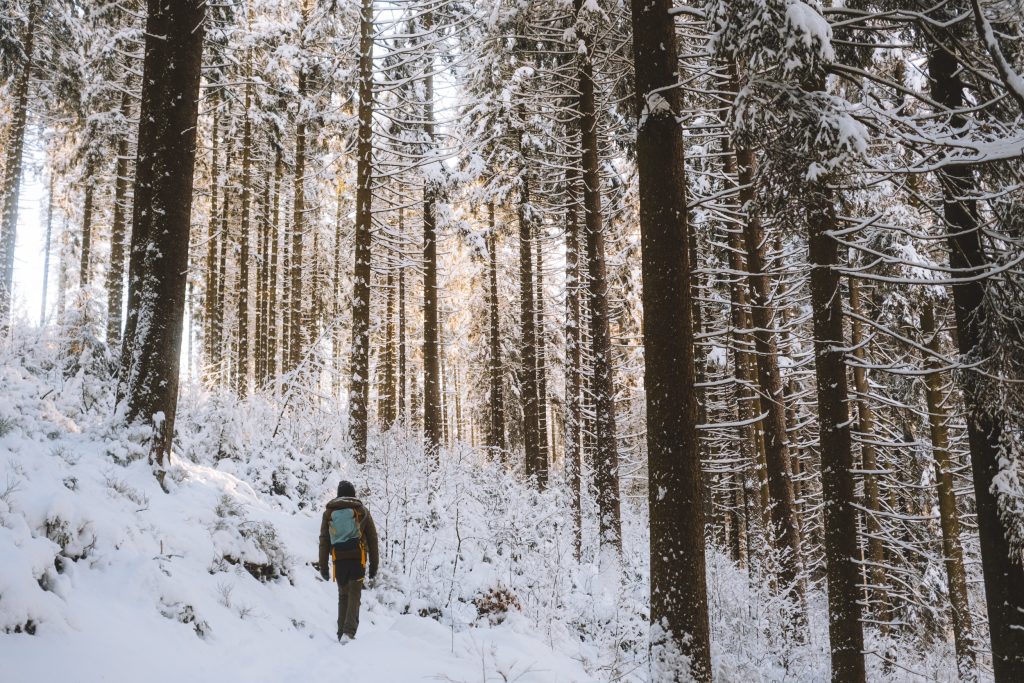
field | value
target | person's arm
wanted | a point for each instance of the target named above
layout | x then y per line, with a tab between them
325	544
371	545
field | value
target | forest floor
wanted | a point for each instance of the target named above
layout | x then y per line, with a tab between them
105	577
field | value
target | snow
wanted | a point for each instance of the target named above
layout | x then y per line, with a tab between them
118	581
105	577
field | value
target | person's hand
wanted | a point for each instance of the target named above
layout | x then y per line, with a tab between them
373	572
325	575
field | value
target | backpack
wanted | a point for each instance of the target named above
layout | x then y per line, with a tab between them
346	526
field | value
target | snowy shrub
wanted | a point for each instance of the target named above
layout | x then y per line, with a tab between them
494	604
185	614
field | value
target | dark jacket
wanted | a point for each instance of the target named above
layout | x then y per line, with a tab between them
368	535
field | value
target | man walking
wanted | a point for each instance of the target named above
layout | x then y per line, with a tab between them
348	535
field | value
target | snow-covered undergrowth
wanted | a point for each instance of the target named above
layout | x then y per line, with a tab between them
103	576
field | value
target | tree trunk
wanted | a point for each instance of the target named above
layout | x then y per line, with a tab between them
85	262
542	373
276	258
679	608
242	357
359	385
496	403
846	632
432	420
12	172
606	471
403	413
115	274
161	219
952	550
528	337
296	342
1004	575
386	403
573	383
786	532
869	462
46	252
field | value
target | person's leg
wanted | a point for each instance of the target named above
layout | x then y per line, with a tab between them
342	606
353	590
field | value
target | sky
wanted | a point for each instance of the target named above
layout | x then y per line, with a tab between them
28	254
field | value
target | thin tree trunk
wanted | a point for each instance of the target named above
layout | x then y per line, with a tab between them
952	550
542	375
786	532
85	262
161	219
679	607
528	337
403	413
46	251
606	472
359	384
496	403
432	416
12	172
573	384
244	238
115	274
386	410
276	258
212	238
869	461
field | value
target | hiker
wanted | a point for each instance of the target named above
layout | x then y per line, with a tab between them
348	534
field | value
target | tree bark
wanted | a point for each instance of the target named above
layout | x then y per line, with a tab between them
786	532
359	384
528	332
606	471
679	608
869	462
952	550
573	370
161	219
115	274
244	238
432	417
542	374
85	261
496	433
846	633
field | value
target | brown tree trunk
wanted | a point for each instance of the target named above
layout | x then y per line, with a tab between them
161	219
12	171
952	550
846	633
606	471
242	348
1004	574
386	403
679	607
573	383
359	381
403	413
528	335
786	532
869	462
542	373
496	403
276	258
85	262
432	415
115	274
46	253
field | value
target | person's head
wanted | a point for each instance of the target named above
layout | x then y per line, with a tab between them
346	490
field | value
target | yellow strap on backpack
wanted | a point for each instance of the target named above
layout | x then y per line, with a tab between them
334	565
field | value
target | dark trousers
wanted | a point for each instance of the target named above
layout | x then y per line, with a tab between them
349	575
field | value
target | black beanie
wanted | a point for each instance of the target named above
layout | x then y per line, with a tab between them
346	490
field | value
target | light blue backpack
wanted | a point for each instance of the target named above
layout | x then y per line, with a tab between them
346	526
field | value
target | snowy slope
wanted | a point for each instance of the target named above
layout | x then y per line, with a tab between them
118	581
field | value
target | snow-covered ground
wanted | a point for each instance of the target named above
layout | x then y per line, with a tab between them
105	577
